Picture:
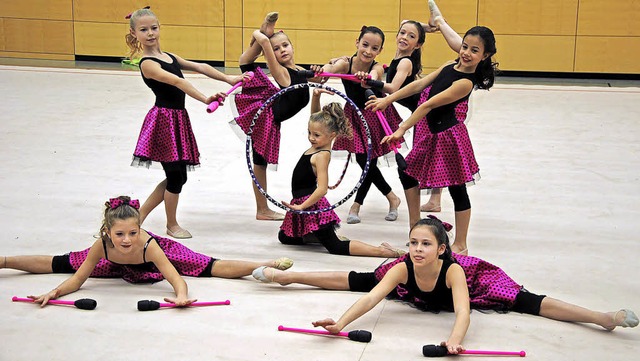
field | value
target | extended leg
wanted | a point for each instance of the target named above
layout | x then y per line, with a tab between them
31	264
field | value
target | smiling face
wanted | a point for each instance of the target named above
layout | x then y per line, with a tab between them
368	47
146	30
423	246
408	38
124	234
282	48
472	51
319	135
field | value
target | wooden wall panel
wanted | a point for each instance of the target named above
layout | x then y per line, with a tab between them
38	36
233	46
2	34
233	13
190	42
47	56
531	17
608	55
36	9
535	53
324	15
609	18
436	52
169	12
461	15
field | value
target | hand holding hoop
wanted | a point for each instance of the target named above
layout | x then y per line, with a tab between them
215	104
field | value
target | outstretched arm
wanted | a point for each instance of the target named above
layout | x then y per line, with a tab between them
156	255
209	71
402	72
458	90
456	279
412	88
396	275
74	282
152	70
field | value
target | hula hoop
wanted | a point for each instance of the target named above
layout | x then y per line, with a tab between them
248	147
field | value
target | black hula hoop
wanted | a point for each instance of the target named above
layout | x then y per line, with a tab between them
249	147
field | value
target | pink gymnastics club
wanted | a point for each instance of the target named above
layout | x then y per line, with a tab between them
83	303
215	104
355	335
150	305
402	164
441	351
312	74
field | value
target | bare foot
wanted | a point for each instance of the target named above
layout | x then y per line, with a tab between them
430	207
269	215
458	249
390	251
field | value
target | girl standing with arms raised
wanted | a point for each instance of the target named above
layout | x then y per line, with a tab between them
278	53
166	135
444	157
368	46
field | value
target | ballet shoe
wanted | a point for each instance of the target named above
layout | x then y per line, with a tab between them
272	216
271	18
258	274
353	218
392	215
630	320
179	234
397	252
283	263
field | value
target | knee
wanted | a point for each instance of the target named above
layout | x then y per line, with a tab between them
407	181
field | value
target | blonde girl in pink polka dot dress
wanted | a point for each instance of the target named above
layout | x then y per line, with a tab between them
443	156
166	136
124	250
279	56
432	278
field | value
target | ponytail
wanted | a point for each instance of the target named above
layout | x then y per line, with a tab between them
332	116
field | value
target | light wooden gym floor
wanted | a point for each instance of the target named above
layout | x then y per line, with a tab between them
557	207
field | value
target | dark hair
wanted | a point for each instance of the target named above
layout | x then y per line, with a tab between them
416	55
439	231
332	116
120	212
371	29
486	70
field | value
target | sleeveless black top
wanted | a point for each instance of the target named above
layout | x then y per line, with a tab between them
290	103
444	117
141	266
304	181
355	91
167	96
440	298
411	102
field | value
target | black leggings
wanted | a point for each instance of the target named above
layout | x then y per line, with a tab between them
176	173
374	176
258	159
526	302
327	236
458	193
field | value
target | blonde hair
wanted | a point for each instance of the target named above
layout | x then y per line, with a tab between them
332	116
135	48
120	212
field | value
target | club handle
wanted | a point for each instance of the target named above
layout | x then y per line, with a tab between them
378	84
53	302
215	104
441	351
200	304
307	73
